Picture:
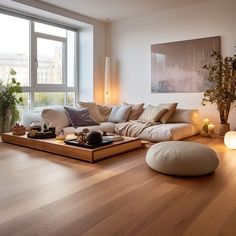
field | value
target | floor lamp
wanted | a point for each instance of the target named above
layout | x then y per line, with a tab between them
107	87
107	84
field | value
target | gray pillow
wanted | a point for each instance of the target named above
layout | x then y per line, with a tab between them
119	114
80	117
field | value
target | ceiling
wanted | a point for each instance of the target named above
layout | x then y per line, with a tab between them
119	9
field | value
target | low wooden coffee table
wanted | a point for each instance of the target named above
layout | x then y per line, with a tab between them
60	148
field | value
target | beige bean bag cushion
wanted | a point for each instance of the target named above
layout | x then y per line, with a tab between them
182	158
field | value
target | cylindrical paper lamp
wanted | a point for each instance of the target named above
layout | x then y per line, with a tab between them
230	139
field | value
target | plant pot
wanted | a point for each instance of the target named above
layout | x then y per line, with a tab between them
6	122
224	128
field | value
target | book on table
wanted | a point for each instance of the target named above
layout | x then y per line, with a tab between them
113	138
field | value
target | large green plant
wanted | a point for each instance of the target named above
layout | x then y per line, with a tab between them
9	100
222	78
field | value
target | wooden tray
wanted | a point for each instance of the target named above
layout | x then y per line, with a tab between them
73	142
42	136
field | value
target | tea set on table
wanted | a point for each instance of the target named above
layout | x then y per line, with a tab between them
84	137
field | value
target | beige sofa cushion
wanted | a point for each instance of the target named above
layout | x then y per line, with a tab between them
185	116
105	111
182	158
165	132
171	109
152	113
93	110
57	117
119	114
136	110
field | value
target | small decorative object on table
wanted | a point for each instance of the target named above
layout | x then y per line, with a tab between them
61	135
113	137
94	138
81	138
37	132
35	125
88	139
18	129
40	135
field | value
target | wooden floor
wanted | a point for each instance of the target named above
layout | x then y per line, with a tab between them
46	194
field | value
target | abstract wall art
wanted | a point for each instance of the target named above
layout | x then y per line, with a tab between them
176	67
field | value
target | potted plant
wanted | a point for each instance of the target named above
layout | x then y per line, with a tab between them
222	80
8	101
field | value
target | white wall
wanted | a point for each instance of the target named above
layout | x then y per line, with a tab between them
131	41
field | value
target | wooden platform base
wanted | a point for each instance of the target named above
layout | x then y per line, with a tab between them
60	148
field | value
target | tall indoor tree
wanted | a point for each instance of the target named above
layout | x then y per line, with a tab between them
222	90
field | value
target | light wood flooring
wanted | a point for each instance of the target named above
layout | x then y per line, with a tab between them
46	194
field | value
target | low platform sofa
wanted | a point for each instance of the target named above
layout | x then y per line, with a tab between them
138	121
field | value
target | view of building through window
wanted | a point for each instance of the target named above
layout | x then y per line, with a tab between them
43	57
14	48
49	59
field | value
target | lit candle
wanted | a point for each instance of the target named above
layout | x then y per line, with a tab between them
206	121
211	128
205	125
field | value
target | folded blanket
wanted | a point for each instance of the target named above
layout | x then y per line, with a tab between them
132	128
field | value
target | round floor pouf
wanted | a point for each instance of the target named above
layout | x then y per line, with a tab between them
182	158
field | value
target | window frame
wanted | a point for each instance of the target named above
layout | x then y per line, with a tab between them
33	85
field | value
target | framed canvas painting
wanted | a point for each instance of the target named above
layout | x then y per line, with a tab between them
177	67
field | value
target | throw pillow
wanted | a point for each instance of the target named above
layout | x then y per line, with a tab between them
105	111
136	110
119	114
171	109
79	117
56	116
152	113
93	110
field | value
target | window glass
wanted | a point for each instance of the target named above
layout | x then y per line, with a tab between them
70	99
49	99
14	48
23	105
48	29
49	57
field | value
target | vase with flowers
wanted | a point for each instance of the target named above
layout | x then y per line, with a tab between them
8	102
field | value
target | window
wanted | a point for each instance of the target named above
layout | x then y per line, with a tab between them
44	57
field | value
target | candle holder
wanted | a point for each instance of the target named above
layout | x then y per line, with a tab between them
208	130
